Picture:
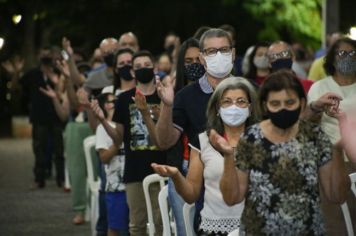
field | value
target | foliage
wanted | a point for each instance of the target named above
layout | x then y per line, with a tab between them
293	20
300	18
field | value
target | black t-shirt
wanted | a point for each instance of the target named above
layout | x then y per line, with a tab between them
139	150
42	110
189	110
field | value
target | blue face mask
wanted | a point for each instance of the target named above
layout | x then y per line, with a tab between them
194	71
285	63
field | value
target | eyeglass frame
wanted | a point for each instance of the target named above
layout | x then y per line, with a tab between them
218	50
280	55
344	53
234	101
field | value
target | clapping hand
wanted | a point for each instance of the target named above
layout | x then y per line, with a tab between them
140	101
166	90
49	92
220	143
83	97
94	105
328	102
66	46
63	67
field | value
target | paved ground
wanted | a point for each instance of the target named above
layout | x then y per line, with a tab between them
27	212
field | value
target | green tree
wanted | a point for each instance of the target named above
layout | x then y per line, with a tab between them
293	20
301	19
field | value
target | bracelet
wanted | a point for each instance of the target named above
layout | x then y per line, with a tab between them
315	110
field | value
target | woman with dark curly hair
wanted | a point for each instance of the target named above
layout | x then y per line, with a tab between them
340	65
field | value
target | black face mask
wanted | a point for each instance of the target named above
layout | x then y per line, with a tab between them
124	72
109	59
284	118
194	71
282	64
144	75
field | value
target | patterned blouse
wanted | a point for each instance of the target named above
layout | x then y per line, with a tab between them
283	193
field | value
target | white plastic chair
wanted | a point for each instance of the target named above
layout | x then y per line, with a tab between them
345	208
167	218
92	184
188	212
148	180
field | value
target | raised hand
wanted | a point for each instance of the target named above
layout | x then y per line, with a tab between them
94	105
347	125
328	102
66	46
140	101
166	90
83	97
63	67
164	170
48	92
220	143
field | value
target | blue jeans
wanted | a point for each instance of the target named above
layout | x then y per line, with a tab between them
176	202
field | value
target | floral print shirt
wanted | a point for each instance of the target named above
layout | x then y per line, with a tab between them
283	193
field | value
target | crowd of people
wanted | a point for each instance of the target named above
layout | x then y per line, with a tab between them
254	141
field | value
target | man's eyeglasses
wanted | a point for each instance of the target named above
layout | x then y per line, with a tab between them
343	53
210	52
240	102
279	55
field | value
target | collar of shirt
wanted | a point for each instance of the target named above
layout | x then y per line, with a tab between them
205	85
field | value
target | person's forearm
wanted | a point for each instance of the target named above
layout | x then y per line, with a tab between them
107	155
74	72
60	110
112	132
312	113
92	120
146	115
165	128
72	96
185	189
229	183
339	179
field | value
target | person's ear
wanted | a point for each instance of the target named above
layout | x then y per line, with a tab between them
202	60
233	55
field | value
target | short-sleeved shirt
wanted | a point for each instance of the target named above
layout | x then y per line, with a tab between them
283	193
139	150
114	170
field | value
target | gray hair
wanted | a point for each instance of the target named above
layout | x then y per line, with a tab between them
214	33
213	120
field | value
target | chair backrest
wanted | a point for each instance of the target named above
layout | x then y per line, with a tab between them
163	206
345	208
89	143
153	178
188	216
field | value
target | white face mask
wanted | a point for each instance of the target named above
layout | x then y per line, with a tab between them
261	62
219	66
233	115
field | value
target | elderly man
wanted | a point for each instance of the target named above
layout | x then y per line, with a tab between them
280	56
